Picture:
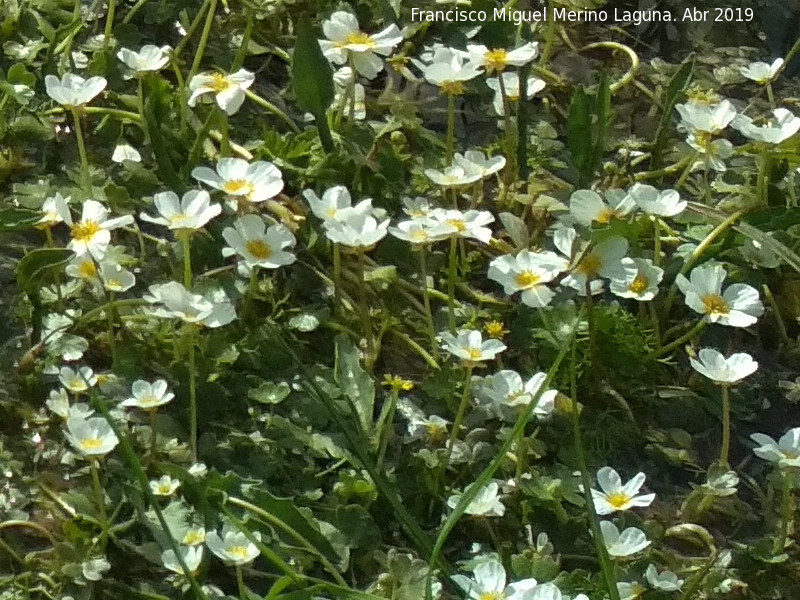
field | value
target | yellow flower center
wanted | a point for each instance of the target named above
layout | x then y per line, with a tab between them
495	60
526	280
605	216
420	235
590	266
220	83
90	443
87	270
164	489
113	284
258	249
494	329
194	537
357	38
84	231
435	432
474	353
459	225
452	88
715	305
238	187
77	385
618	499
239	552
639	284
148	401
494	595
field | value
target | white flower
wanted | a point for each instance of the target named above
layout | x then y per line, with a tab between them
78	381
228	90
92	233
476	158
255	182
774	131
116	278
720	482
666	581
761	72
628	590
335	204
55	209
719	369
705	118
587	206
73	90
341	79
470	346
346	40
785	452
488	582
357	230
666	203
179	303
627	543
469	224
527	272
618	497
716	151
94	569
165	486
739	306
498	59
192	557
149	58
123	152
418	208
506	389
602	260
448	70
58	402
91	437
257	245
485	504
148	396
417	232
511	82
233	548
456	175
192	211
640	281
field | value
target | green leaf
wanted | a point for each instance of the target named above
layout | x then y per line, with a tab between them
16	219
355	382
39	265
602	111
270	392
312	80
677	84
579	123
157	112
17	73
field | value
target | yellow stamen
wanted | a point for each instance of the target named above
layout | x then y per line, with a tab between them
452	88
459	225
237	551
237	187
90	443
357	38
715	305
590	266
220	83
618	499
526	280
605	216
87	270
495	60
639	284
258	248
84	231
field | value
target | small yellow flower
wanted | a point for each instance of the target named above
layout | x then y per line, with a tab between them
397	383
495	329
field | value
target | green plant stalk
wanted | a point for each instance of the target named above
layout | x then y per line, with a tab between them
651	307
111	335
606	566
86	181
778	317
201	46
384	427
192	394
252	289
449	141
451	286
426	300
225	143
241	53
134	9
549	35
786	516
240	582
726	425
770	96
698	252
590	323
101	501
462	409
192	27
656	241
337	277
153	434
266	104
112	7
508	171
701	324
66	50
366	322
140	103
185	236
762	181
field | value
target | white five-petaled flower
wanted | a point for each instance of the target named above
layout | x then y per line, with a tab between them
176	302
148	396
192	211
255	182
192	557
115	277
506	389
469	345
228	90
485	504
785	452
587	206
738	306
469	224
54	209
91	437
640	281
527	272
92	233
417	231
346	40
233	547
475	158
77	382
627	543
761	72
448	69
335	204
602	260
488	582
774	131
511	82
719	369
164	486
497	60
123	152
704	118
456	175
618	497
666	203
73	90
357	230
257	245
148	58
666	581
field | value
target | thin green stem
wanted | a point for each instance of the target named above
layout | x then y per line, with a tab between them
134	9
351	90
385	426
426	301
451	286
549	35
240	582
153	434
112	341
656	240
726	426
508	171
186	243
606	566
140	102
112	7
337	278
272	108
762	181
225	143
778	317
100	499
366	322
192	27
462	409
252	290
786	516
449	142
65	47
770	95
86	181
201	46
681	340
192	394
590	324
241	53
